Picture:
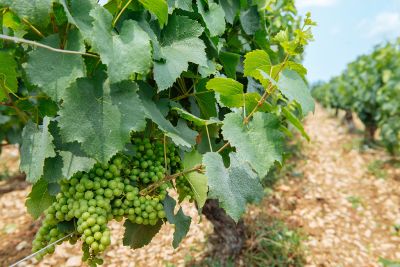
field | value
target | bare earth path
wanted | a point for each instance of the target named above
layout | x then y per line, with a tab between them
348	214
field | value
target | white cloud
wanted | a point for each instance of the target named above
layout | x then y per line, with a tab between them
315	3
384	25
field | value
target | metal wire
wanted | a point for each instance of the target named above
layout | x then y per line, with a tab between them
37	252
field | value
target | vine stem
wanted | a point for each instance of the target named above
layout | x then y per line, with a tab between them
168	178
11	104
33	43
120	13
33	27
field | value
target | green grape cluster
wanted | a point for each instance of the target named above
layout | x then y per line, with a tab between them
113	191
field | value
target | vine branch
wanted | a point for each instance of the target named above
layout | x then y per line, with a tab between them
33	43
171	177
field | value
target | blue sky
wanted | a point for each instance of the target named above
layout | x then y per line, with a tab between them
346	29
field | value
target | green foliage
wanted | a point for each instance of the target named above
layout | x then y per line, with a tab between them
213	85
39	199
139	235
235	186
246	139
180	220
37	147
370	87
8	75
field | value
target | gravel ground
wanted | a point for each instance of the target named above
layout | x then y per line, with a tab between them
348	214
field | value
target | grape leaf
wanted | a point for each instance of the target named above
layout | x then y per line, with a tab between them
36	147
181	4
124	54
295	122
39	199
73	163
235	186
292	85
97	117
158	8
69	160
35	11
197	181
250	20
180	136
254	62
230	61
180	220
8	75
205	100
214	17
60	69
139	235
231	8
77	14
196	120
230	94
180	45
260	143
52	171
225	86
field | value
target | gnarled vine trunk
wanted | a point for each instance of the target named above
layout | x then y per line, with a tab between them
370	132
349	121
229	237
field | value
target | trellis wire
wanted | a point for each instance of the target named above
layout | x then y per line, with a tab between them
37	252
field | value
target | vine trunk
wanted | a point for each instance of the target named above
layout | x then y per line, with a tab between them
229	237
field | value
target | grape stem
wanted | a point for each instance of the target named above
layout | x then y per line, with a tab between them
167	178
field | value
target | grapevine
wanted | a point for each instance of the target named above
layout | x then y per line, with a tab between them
154	101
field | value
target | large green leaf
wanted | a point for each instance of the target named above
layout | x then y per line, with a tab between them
61	69
181	4
231	8
254	62
39	199
250	20
179	46
196	120
139	235
230	94
158	8
225	86
292	85
260	143
35	12
206	100
234	187
8	75
180	135
124	54
180	220
98	117
36	147
230	61
73	163
295	122
214	17
77	13
197	181
69	160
